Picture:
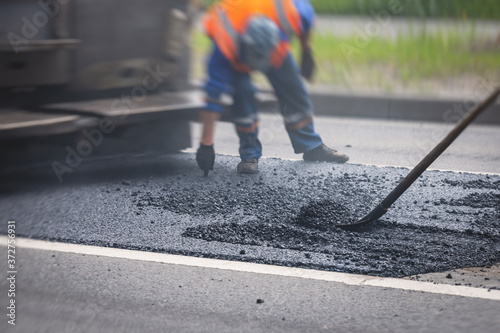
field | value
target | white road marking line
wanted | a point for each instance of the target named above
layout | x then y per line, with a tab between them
403	167
349	279
440	170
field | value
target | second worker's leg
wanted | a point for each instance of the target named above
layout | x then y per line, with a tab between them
297	111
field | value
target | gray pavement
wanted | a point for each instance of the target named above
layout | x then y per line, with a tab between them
392	26
149	202
72	293
396	106
283	216
378	142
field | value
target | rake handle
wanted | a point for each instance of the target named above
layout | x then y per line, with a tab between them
437	151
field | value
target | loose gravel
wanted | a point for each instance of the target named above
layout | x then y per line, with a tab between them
285	215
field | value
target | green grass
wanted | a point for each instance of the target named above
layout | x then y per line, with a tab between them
422	62
409	58
483	9
200	45
385	64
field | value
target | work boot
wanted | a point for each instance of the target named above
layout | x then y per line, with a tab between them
250	166
325	154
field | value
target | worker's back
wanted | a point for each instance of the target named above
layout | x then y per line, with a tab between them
238	12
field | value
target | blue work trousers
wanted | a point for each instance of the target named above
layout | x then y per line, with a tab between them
294	101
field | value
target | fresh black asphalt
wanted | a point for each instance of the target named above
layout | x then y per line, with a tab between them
285	215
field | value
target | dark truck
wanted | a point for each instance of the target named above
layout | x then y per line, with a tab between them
86	78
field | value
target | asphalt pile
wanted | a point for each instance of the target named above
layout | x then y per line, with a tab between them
285	215
324	214
303	217
385	248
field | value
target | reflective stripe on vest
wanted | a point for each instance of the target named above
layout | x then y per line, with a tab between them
229	30
283	19
235	39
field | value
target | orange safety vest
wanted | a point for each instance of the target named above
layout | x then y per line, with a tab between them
226	20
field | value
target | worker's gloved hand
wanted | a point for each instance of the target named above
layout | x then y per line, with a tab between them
205	156
307	65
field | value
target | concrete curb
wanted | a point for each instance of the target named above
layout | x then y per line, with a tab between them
392	108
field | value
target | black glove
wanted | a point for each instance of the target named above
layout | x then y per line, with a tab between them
205	156
307	65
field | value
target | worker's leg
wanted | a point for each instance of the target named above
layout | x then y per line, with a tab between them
296	106
223	79
245	117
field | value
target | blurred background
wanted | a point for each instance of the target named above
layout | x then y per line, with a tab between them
98	97
418	47
83	79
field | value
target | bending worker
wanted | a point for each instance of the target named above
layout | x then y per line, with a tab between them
254	36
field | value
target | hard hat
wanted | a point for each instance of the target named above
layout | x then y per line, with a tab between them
261	37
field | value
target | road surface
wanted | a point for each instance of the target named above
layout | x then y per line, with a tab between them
392	26
73	293
377	142
163	205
